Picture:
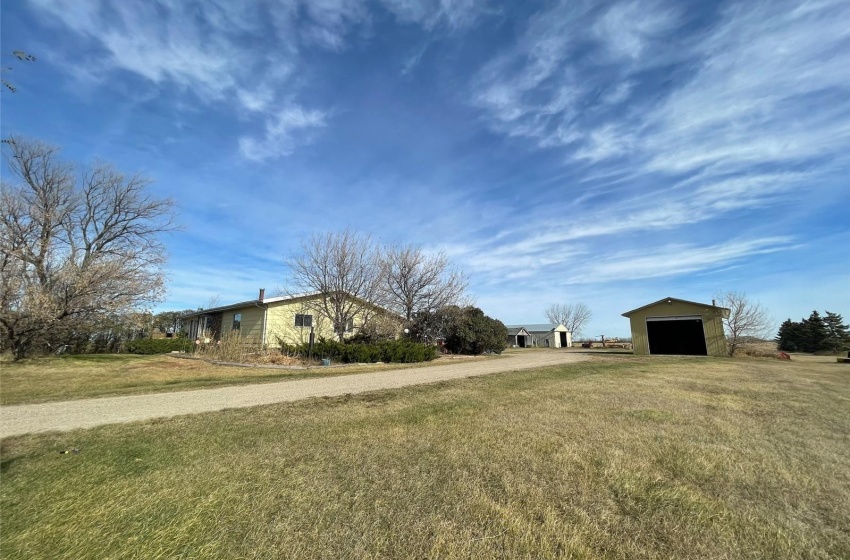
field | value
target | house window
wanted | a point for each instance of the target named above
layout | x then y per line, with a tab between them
349	325
237	321
303	320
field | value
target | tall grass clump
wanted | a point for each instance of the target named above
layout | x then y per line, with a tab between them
233	348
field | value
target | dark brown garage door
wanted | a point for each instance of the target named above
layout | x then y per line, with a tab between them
676	335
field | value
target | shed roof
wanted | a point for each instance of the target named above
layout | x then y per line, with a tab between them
723	310
514	331
537	328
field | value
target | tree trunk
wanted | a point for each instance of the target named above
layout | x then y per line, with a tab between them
20	348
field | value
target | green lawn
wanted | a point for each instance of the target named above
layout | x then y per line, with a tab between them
618	458
100	375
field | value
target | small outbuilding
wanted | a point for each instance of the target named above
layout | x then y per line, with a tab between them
542	336
518	337
678	326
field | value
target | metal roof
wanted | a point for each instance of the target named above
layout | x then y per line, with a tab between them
536	328
672	299
541	327
266	301
249	303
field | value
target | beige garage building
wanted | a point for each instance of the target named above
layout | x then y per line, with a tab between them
678	326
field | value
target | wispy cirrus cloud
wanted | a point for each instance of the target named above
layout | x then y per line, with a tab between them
453	14
767	91
281	132
760	86
627	29
537	264
556	247
182	43
207	49
741	112
210	49
673	260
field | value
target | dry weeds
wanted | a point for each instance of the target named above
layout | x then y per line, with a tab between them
618	458
77	377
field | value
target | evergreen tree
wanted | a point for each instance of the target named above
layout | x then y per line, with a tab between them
837	335
815	333
788	338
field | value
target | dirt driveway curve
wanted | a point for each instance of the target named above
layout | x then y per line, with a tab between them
88	413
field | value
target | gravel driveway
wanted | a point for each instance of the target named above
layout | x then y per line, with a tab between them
87	413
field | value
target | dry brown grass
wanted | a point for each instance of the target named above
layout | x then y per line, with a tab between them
619	458
76	377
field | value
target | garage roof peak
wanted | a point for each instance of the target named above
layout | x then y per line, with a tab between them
669	300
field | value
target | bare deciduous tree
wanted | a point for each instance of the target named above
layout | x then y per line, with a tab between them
414	281
213	301
73	249
344	269
21	56
747	319
574	316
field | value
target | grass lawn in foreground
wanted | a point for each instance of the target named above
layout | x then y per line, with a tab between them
100	375
616	458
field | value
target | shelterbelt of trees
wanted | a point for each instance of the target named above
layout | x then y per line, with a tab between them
817	333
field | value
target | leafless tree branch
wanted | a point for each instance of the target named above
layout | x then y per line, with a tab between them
747	319
574	316
414	281
73	249
344	270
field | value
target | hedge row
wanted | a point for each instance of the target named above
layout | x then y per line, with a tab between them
397	351
158	345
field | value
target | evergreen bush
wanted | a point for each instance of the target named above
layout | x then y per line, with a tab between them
465	330
390	351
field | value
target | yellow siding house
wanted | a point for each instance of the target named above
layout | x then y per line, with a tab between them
264	321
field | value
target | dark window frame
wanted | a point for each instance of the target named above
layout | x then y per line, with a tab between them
303	320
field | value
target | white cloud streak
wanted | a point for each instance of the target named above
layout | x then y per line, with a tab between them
764	85
546	258
281	132
209	48
752	101
673	260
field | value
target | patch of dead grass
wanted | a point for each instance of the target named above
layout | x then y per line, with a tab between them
623	457
77	377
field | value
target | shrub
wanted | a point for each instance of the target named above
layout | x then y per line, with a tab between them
391	351
157	345
757	352
465	330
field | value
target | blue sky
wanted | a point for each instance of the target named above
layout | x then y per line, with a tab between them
611	153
